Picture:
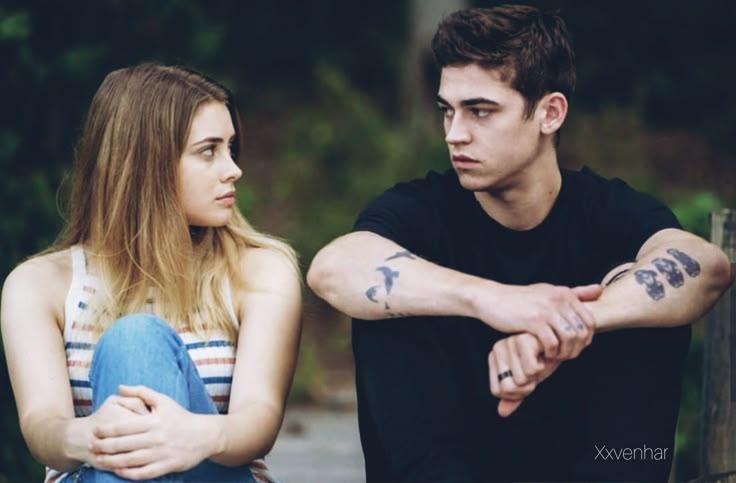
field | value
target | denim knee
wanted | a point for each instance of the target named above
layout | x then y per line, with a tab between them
139	329
134	336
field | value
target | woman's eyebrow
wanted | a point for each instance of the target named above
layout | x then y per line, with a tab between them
209	140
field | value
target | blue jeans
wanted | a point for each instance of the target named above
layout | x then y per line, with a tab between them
143	349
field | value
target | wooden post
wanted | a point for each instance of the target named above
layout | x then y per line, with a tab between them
718	435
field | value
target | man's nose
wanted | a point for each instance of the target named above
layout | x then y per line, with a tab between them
457	131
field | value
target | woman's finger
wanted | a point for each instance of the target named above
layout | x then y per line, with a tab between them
149	396
132	459
131	425
133	404
120	444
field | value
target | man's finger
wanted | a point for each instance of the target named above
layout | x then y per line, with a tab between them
506	407
529	355
508	365
493	374
549	341
583	314
566	334
588	293
583	334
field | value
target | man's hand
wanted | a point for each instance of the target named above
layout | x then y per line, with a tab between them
516	365
555	315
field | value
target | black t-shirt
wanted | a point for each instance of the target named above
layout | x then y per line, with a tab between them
425	408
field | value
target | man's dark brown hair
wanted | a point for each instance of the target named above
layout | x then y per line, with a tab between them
531	49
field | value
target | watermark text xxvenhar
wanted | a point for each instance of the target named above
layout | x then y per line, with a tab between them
631	454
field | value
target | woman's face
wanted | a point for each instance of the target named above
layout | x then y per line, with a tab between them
207	172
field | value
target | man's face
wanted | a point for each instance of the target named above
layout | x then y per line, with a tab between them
492	145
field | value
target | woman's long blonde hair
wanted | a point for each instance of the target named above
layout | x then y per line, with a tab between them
124	204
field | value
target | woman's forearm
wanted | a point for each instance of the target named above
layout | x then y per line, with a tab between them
241	436
59	443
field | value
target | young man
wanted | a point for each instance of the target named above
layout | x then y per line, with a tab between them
504	254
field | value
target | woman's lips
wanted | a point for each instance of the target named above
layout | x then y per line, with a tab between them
228	198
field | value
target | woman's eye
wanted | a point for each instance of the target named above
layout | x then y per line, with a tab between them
209	151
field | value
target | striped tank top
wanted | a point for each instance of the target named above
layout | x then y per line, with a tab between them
214	359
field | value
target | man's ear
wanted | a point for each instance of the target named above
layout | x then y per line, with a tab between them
552	110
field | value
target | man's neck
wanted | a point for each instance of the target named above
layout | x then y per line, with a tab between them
528	200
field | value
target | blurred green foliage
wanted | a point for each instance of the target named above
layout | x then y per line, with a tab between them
693	211
317	83
344	149
307	373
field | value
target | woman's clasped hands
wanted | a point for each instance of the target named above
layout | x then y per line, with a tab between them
143	434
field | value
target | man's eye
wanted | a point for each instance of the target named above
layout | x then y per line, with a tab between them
446	111
477	112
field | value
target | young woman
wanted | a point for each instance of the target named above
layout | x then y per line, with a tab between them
159	337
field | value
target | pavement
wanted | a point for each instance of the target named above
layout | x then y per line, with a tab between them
318	444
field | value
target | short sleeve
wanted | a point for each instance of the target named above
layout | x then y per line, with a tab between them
624	217
636	216
402	214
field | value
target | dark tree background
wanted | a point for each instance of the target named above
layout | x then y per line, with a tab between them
319	85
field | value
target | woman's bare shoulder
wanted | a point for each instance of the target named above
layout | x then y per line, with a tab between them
265	268
43	279
47	267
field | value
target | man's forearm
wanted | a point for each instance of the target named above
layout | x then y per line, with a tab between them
675	280
369	277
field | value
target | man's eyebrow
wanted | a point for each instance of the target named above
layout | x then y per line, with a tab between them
469	102
478	100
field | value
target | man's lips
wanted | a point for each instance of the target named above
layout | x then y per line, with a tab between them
462	159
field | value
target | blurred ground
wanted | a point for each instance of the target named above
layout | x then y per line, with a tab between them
319	440
318	443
